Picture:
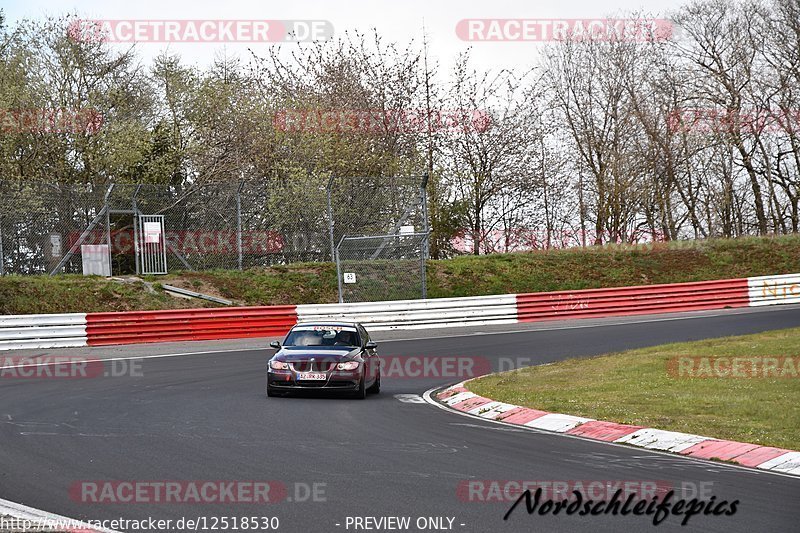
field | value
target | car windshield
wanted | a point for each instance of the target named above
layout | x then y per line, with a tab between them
321	336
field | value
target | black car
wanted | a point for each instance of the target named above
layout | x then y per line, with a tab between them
325	356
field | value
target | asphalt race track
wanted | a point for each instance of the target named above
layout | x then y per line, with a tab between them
205	417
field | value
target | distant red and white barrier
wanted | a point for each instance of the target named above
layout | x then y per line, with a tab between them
419	314
95	329
646	299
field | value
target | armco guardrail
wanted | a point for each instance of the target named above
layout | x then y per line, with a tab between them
645	299
19	332
419	314
97	329
189	324
773	290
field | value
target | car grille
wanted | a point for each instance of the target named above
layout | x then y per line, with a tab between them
316	366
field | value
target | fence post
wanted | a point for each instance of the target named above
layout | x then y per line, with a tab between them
339	270
108	236
239	222
2	256
330	229
423	191
135	209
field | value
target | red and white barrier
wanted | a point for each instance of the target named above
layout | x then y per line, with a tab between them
772	290
419	314
19	332
95	329
189	324
645	299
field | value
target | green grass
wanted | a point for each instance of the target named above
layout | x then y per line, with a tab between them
635	387
604	266
73	293
614	266
299	283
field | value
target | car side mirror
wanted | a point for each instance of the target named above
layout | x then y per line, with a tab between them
275	344
371	345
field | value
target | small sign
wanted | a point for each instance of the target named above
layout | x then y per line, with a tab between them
55	245
95	260
152	232
349	277
406	230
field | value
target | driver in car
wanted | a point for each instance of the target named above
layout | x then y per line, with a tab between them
345	338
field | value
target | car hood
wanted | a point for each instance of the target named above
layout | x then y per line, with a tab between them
304	353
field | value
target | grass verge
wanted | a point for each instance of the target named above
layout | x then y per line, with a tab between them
303	283
635	387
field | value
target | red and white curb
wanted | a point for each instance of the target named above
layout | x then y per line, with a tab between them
459	398
27	518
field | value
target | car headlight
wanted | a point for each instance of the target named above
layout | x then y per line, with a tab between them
350	365
279	365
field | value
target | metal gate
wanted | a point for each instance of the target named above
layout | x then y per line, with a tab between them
151	245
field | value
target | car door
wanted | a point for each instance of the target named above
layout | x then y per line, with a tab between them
369	354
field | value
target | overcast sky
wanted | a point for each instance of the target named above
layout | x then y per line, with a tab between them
397	20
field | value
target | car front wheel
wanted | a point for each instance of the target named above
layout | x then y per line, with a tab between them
361	393
376	387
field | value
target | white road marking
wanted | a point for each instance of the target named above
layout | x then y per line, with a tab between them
37	516
409	398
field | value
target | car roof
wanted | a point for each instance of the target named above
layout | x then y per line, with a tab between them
327	323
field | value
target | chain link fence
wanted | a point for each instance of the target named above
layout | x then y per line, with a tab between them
221	225
37	219
382	267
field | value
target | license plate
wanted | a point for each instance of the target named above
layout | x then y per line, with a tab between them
311	376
